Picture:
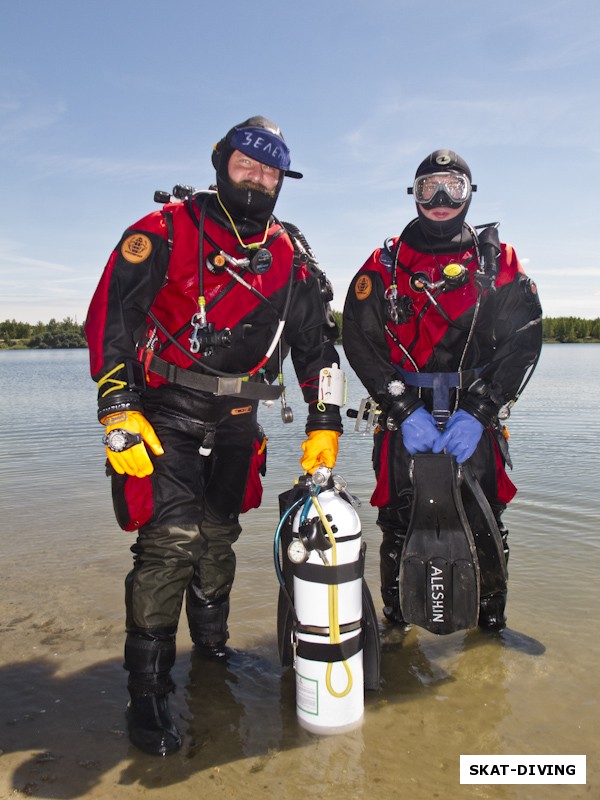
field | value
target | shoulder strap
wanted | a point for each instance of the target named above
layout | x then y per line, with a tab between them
304	256
168	217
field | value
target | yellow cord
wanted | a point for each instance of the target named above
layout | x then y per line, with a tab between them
116	384
235	230
334	619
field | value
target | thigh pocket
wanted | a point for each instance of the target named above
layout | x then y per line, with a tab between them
132	500
258	467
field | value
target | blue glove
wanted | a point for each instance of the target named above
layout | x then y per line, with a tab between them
419	432
460	437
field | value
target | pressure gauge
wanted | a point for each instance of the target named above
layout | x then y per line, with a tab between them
297	553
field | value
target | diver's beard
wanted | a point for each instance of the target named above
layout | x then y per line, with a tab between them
247	201
255	187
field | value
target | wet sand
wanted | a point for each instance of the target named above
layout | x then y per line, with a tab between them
63	687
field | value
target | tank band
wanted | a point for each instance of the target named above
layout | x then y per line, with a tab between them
342	573
329	653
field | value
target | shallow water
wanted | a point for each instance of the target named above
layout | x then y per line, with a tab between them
532	689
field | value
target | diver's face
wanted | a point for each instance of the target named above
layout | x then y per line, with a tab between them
246	173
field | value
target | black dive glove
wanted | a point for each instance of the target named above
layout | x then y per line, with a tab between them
482	402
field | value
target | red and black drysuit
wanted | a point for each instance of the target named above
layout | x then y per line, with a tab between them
187	510
436	334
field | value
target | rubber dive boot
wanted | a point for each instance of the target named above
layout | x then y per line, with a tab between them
150	725
390	552
393	614
208	628
491	612
149	657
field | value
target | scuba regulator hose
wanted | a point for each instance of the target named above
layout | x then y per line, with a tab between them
202	308
276	543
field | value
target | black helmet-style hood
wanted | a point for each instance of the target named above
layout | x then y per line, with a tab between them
444	161
263	141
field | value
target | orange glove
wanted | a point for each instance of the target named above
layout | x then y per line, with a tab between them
126	432
320	450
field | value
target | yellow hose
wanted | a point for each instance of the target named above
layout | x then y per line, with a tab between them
334	619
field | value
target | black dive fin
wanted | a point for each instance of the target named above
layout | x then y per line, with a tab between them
286	622
439	570
487	536
286	615
372	642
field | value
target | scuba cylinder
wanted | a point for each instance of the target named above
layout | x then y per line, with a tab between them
329	615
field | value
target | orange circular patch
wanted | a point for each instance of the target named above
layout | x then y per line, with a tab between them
363	287
136	248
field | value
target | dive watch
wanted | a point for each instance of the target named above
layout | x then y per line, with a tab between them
119	439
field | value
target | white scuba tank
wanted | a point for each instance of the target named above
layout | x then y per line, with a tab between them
328	604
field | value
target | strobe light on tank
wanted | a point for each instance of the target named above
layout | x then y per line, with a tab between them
328	564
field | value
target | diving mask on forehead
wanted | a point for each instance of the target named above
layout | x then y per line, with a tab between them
429	190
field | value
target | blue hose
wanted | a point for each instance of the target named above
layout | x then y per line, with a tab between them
277	539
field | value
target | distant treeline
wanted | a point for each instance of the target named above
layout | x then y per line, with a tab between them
53	335
571	329
555	329
68	333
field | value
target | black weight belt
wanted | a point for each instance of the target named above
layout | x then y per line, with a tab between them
217	385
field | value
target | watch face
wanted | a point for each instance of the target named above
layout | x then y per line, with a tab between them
297	553
117	440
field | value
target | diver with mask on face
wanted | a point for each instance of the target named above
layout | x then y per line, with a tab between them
195	311
443	328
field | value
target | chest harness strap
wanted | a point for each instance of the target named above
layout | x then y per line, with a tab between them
441	383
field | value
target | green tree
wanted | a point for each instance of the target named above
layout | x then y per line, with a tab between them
65	334
11	329
56	339
337	315
548	328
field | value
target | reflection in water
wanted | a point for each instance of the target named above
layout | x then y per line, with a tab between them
242	716
231	710
451	691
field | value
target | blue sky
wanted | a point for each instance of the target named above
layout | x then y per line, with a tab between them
101	103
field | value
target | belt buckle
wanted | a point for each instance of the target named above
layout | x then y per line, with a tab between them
228	386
